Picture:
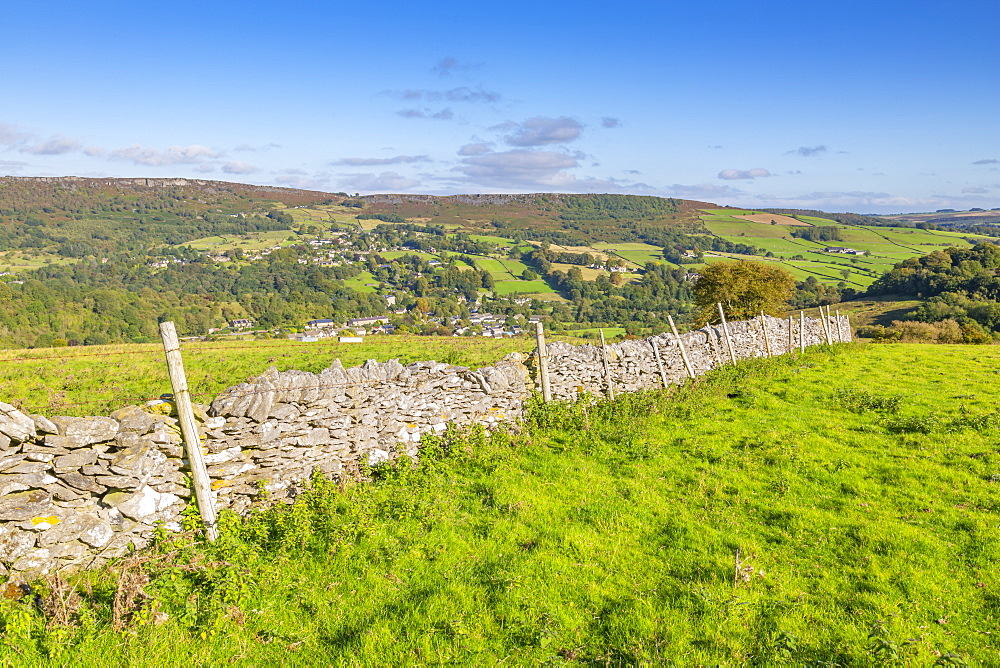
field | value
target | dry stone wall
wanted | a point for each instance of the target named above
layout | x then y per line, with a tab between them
76	491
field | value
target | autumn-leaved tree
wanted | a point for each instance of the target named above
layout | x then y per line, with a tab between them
743	288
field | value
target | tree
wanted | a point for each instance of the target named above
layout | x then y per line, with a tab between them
743	288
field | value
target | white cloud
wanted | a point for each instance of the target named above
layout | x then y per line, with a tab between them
460	94
449	64
445	114
53	146
237	167
11	135
395	160
543	131
809	151
519	168
737	174
702	191
173	155
384	182
477	148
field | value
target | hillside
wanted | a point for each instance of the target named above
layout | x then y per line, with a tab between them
96	261
832	509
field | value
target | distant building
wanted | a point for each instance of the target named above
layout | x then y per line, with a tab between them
841	249
324	322
240	323
363	322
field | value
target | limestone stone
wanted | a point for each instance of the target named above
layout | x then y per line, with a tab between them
142	504
86	430
85	527
25	505
81	482
15	425
14	543
36	560
75	460
44	425
140	461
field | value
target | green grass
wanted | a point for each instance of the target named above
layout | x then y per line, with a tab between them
522	287
361	282
95	380
857	485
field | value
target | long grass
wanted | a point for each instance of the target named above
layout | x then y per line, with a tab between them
834	509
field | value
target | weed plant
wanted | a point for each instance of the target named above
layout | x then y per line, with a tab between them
742	519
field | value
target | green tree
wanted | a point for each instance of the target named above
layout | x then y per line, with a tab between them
743	288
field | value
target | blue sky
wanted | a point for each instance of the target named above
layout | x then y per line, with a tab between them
853	106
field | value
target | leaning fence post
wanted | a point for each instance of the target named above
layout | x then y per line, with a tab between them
607	367
659	362
725	331
543	362
767	339
840	329
802	332
192	442
826	324
680	344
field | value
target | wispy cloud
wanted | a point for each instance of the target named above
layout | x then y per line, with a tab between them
988	161
747	174
542	131
519	168
254	149
173	155
384	182
975	191
702	191
460	94
395	160
53	146
449	64
809	151
611	122
445	114
476	148
12	135
237	167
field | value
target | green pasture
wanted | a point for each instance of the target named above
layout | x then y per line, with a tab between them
253	241
359	282
521	287
735	227
499	241
95	380
836	508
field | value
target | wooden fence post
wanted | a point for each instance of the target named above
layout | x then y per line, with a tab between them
825	319
840	332
192	442
850	332
767	339
802	332
543	362
607	367
725	331
659	362
791	335
680	344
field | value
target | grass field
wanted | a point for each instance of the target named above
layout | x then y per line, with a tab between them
95	380
834	509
